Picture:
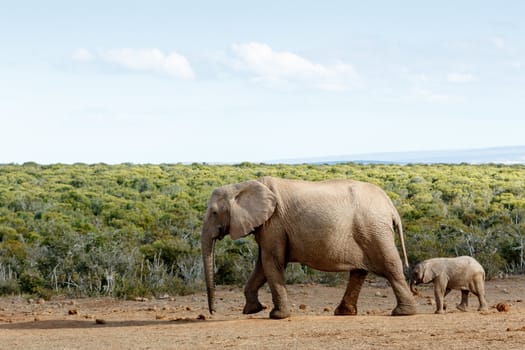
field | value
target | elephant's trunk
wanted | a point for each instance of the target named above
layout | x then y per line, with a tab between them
413	288
207	244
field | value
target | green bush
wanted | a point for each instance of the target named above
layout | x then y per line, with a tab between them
32	282
9	287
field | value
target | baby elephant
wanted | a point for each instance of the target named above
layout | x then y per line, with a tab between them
463	273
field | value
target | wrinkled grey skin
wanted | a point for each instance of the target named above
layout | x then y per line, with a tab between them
338	225
462	273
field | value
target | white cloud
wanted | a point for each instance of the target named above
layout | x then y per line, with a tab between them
152	60
461	78
499	42
271	66
82	55
434	97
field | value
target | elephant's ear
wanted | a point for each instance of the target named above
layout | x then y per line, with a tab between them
251	207
429	274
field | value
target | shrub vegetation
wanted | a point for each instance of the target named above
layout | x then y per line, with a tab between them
127	230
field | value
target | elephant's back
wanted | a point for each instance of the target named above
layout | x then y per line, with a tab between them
347	205
328	222
345	188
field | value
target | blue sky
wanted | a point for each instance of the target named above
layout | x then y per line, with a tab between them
232	81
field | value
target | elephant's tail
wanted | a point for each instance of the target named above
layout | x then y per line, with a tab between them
399	228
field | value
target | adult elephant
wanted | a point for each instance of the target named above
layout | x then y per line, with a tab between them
336	225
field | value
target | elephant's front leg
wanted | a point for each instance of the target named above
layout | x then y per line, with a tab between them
274	264
439	294
251	290
348	305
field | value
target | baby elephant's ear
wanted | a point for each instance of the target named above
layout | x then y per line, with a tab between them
429	274
250	208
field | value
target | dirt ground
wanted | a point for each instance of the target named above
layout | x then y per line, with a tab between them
184	322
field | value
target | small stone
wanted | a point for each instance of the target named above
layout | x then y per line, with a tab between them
302	307
100	321
72	312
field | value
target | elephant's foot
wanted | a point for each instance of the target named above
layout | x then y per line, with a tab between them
440	312
345	310
253	308
278	314
483	308
404	310
461	307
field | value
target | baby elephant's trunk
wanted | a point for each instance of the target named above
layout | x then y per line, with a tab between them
413	288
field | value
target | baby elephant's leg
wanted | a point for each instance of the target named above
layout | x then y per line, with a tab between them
482	303
463	306
480	293
477	287
444	303
439	294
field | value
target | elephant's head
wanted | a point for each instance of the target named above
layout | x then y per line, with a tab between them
235	210
421	274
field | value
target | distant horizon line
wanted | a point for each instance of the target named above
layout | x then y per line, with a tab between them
385	157
411	156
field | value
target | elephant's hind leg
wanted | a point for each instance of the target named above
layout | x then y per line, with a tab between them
406	304
463	306
482	303
348	305
479	291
